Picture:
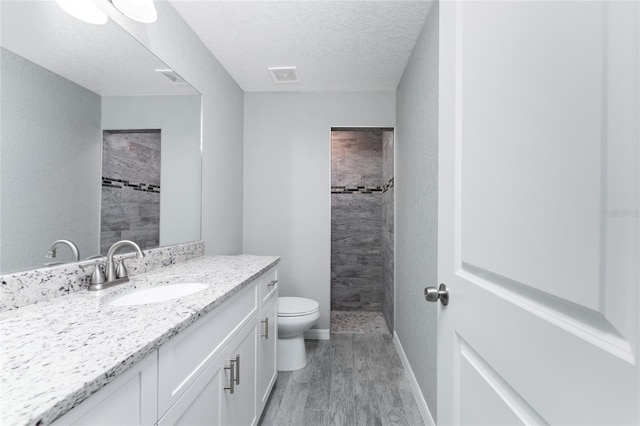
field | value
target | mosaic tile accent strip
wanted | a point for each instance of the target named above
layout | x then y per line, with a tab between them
358	322
29	287
355	189
362	189
387	186
121	183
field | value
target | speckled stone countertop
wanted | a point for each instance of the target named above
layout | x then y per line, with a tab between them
55	354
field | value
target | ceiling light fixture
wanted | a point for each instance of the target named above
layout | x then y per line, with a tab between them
139	10
83	10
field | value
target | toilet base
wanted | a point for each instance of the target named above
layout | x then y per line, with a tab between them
292	354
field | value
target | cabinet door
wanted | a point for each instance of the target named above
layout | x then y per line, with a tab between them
267	339
201	404
241	404
128	400
184	358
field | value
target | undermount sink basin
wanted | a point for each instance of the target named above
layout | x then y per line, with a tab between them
157	294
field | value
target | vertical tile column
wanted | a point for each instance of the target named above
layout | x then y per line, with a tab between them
387	228
356	220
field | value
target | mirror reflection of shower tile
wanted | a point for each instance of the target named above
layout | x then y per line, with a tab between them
131	187
132	155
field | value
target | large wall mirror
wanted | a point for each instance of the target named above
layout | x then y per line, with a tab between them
65	87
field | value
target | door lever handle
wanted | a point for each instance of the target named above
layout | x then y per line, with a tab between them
433	294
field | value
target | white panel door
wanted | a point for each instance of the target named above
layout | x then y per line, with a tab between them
538	213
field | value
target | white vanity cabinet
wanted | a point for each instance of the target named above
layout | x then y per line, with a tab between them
203	392
182	359
234	387
187	381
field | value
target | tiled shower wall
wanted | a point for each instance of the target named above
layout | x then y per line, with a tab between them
387	227
356	220
130	188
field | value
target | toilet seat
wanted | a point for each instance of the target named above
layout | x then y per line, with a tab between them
296	306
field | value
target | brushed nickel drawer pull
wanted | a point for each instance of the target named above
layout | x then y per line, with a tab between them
237	362
266	328
232	374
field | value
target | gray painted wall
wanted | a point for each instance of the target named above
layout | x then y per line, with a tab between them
175	43
179	118
287	199
53	129
417	207
356	220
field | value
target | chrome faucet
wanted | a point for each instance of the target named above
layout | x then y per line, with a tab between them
116	272
74	248
111	272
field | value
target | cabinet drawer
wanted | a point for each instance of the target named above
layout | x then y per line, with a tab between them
185	357
268	283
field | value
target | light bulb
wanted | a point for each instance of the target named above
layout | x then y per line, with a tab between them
83	10
138	10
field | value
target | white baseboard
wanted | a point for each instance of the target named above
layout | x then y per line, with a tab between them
422	404
317	334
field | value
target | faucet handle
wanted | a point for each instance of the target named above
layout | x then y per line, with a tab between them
121	270
98	275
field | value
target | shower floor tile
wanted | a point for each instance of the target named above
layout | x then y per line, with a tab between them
358	322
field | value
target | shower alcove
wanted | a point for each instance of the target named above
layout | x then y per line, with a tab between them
362	242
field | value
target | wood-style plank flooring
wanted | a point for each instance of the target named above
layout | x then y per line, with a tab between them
352	379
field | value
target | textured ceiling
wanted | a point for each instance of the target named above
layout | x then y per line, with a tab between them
347	45
102	58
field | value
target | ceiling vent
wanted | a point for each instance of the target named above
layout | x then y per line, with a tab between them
173	76
283	74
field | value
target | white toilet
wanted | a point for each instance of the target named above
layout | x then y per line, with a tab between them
295	316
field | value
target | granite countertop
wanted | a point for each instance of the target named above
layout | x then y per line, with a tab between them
55	354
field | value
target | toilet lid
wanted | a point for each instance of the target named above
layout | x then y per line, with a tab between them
294	306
